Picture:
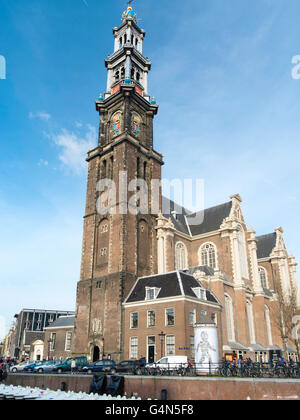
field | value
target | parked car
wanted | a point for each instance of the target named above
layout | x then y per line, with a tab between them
30	367
170	362
128	366
20	367
100	366
46	366
65	366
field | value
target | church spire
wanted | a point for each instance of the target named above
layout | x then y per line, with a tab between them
127	64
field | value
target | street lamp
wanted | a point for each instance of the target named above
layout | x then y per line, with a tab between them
162	339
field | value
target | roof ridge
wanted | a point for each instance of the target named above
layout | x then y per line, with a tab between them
180	282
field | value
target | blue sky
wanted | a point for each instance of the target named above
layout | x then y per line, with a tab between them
229	113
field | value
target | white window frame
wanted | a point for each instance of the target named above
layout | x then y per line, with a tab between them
68	340
211	245
133	355
166	317
155	291
53	342
194	312
173	344
181	256
148	324
192	347
200	292
131	318
263	271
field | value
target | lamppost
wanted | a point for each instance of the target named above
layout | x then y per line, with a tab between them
162	339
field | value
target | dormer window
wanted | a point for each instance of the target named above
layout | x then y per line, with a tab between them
200	293
152	293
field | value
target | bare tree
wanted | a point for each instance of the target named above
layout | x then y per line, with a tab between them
284	316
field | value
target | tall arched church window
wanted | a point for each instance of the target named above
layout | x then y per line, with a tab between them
208	255
268	326
242	252
229	319
263	277
180	256
250	322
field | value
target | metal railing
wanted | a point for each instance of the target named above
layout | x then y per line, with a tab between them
226	370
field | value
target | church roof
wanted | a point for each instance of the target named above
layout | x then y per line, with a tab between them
265	245
173	284
211	218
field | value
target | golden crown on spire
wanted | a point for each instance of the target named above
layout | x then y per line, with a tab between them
129	13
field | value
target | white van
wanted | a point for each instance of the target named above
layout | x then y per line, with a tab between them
170	362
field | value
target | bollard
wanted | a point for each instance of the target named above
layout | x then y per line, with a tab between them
164	395
63	386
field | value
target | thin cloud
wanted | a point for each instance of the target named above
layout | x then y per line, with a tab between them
41	115
43	162
74	147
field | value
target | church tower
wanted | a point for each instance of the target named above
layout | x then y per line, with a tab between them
119	238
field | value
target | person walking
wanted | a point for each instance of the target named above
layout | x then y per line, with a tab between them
73	366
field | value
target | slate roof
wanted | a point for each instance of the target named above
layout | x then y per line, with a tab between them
210	219
31	336
169	285
63	321
265	245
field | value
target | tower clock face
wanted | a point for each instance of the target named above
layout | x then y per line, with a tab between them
135	124
117	123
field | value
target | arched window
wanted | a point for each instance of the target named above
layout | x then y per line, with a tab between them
138	76
268	325
263	277
208	255
117	75
103	243
250	322
132	73
242	252
180	256
121	42
143	244
229	319
122	73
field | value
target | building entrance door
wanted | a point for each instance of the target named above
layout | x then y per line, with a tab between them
96	354
151	349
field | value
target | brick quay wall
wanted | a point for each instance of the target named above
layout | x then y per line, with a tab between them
180	389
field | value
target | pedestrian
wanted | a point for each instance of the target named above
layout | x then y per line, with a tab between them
142	361
73	366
